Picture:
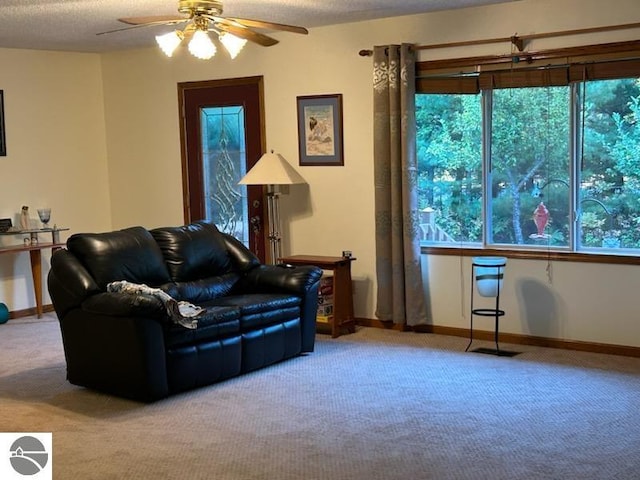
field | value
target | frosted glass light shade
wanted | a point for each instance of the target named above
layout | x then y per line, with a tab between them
201	46
169	41
232	44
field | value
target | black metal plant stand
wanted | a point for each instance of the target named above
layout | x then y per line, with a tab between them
488	312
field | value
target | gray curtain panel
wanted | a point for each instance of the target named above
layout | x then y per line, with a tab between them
400	296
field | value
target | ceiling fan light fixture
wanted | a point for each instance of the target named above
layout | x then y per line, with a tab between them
202	16
169	41
232	44
201	45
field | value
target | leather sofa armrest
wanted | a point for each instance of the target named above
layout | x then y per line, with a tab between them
116	354
124	305
69	282
280	279
302	281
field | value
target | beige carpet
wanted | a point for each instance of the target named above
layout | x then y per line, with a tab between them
372	405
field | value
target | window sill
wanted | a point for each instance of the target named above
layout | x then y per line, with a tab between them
533	255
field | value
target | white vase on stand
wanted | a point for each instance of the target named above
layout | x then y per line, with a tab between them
489	275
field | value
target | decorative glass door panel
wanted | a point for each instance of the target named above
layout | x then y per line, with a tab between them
224	164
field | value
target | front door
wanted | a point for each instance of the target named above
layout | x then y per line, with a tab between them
222	137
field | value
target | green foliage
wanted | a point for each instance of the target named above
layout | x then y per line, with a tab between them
611	166
529	142
450	162
530	153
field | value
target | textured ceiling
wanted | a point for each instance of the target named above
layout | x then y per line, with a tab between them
71	25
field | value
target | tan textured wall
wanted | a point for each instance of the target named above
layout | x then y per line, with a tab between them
335	212
56	152
586	302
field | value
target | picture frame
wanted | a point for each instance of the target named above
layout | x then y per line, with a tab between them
320	134
3	138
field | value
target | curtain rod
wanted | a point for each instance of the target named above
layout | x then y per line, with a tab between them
518	40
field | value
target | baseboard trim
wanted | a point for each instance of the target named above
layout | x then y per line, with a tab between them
29	312
606	348
593	347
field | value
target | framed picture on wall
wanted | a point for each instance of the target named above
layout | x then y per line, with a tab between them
320	130
3	142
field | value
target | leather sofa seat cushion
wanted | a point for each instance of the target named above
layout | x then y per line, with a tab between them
217	322
194	251
204	363
259	310
130	254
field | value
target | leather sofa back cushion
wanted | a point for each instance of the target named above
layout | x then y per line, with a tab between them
194	251
130	254
205	289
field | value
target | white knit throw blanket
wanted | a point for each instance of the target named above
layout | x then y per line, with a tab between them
182	313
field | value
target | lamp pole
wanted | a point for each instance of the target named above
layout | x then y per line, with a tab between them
273	212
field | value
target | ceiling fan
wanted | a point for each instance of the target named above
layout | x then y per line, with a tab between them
201	17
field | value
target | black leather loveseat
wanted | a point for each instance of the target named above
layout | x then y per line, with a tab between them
127	345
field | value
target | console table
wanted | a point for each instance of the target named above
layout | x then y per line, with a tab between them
342	287
35	254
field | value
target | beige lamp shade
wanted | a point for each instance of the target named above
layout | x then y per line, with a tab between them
272	169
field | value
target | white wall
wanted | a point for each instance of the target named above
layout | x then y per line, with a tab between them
571	301
56	153
589	302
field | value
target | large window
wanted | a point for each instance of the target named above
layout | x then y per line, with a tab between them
539	159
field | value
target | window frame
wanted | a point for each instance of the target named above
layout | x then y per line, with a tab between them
551	67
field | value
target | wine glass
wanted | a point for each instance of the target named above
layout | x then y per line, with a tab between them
45	216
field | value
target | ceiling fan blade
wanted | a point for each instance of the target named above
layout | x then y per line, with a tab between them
247	22
241	31
154	19
142	25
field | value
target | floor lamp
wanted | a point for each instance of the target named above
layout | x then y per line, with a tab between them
273	170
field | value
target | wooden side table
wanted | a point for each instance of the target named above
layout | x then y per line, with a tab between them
342	288
35	255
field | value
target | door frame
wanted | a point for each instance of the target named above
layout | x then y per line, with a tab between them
183	88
